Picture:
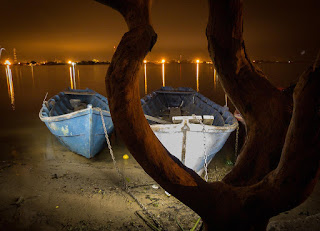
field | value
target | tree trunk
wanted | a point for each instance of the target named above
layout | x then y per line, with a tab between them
275	132
266	110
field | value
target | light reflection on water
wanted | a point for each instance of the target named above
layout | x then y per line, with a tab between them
215	79
73	83
22	92
10	86
145	79
163	75
32	75
197	77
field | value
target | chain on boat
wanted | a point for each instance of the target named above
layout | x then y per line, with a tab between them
205	152
237	142
125	185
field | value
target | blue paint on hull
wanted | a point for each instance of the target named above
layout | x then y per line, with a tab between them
81	131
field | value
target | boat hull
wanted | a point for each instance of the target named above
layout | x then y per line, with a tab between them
192	144
190	126
80	131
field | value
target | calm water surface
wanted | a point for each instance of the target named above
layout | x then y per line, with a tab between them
23	135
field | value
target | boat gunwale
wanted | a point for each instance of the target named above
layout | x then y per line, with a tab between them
207	128
190	91
73	114
70	115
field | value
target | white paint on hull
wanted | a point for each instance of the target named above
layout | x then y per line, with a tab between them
200	140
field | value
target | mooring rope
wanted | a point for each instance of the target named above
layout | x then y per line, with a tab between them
125	185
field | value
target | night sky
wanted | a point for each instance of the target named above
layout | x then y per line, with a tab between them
86	30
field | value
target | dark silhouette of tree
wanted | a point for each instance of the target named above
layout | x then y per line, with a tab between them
278	165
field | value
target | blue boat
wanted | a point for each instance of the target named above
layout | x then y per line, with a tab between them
190	126
73	116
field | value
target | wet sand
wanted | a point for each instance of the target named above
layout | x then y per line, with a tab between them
46	187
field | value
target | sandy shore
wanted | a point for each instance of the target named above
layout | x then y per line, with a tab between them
87	195
46	187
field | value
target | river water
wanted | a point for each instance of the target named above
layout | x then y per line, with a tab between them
23	88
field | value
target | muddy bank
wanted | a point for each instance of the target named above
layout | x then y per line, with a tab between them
81	194
46	187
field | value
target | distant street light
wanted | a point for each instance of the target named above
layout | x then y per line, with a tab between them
72	63
7	62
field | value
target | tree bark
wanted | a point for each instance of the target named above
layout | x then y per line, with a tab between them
128	117
259	186
266	110
299	168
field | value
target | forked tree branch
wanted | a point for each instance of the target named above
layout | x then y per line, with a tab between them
128	117
298	171
265	109
221	205
135	12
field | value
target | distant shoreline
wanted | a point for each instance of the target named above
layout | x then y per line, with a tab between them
53	63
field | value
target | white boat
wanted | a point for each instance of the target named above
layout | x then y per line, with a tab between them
190	126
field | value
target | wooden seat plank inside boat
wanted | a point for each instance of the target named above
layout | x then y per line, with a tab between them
167	104
174	111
